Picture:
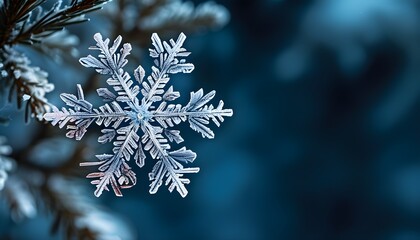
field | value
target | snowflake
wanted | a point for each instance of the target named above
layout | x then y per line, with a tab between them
126	115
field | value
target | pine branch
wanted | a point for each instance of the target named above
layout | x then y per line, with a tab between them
6	163
30	83
68	206
165	17
24	29
25	22
32	188
13	15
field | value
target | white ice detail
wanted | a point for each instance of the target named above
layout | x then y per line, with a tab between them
127	115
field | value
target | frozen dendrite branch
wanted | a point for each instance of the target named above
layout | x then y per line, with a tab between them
126	115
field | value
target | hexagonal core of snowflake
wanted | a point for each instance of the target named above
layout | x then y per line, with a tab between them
142	115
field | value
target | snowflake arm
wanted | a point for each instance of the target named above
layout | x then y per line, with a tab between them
196	112
80	115
114	169
166	62
111	63
168	165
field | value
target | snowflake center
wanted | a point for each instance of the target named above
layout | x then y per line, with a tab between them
142	115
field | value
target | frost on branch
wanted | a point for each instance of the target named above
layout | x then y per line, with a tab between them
184	14
138	19
30	83
28	22
137	116
6	163
77	215
13	188
19	197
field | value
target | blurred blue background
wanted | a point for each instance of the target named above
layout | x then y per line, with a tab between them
324	141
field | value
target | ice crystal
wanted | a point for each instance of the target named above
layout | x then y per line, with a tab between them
126	115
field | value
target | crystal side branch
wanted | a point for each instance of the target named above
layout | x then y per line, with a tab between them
138	118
